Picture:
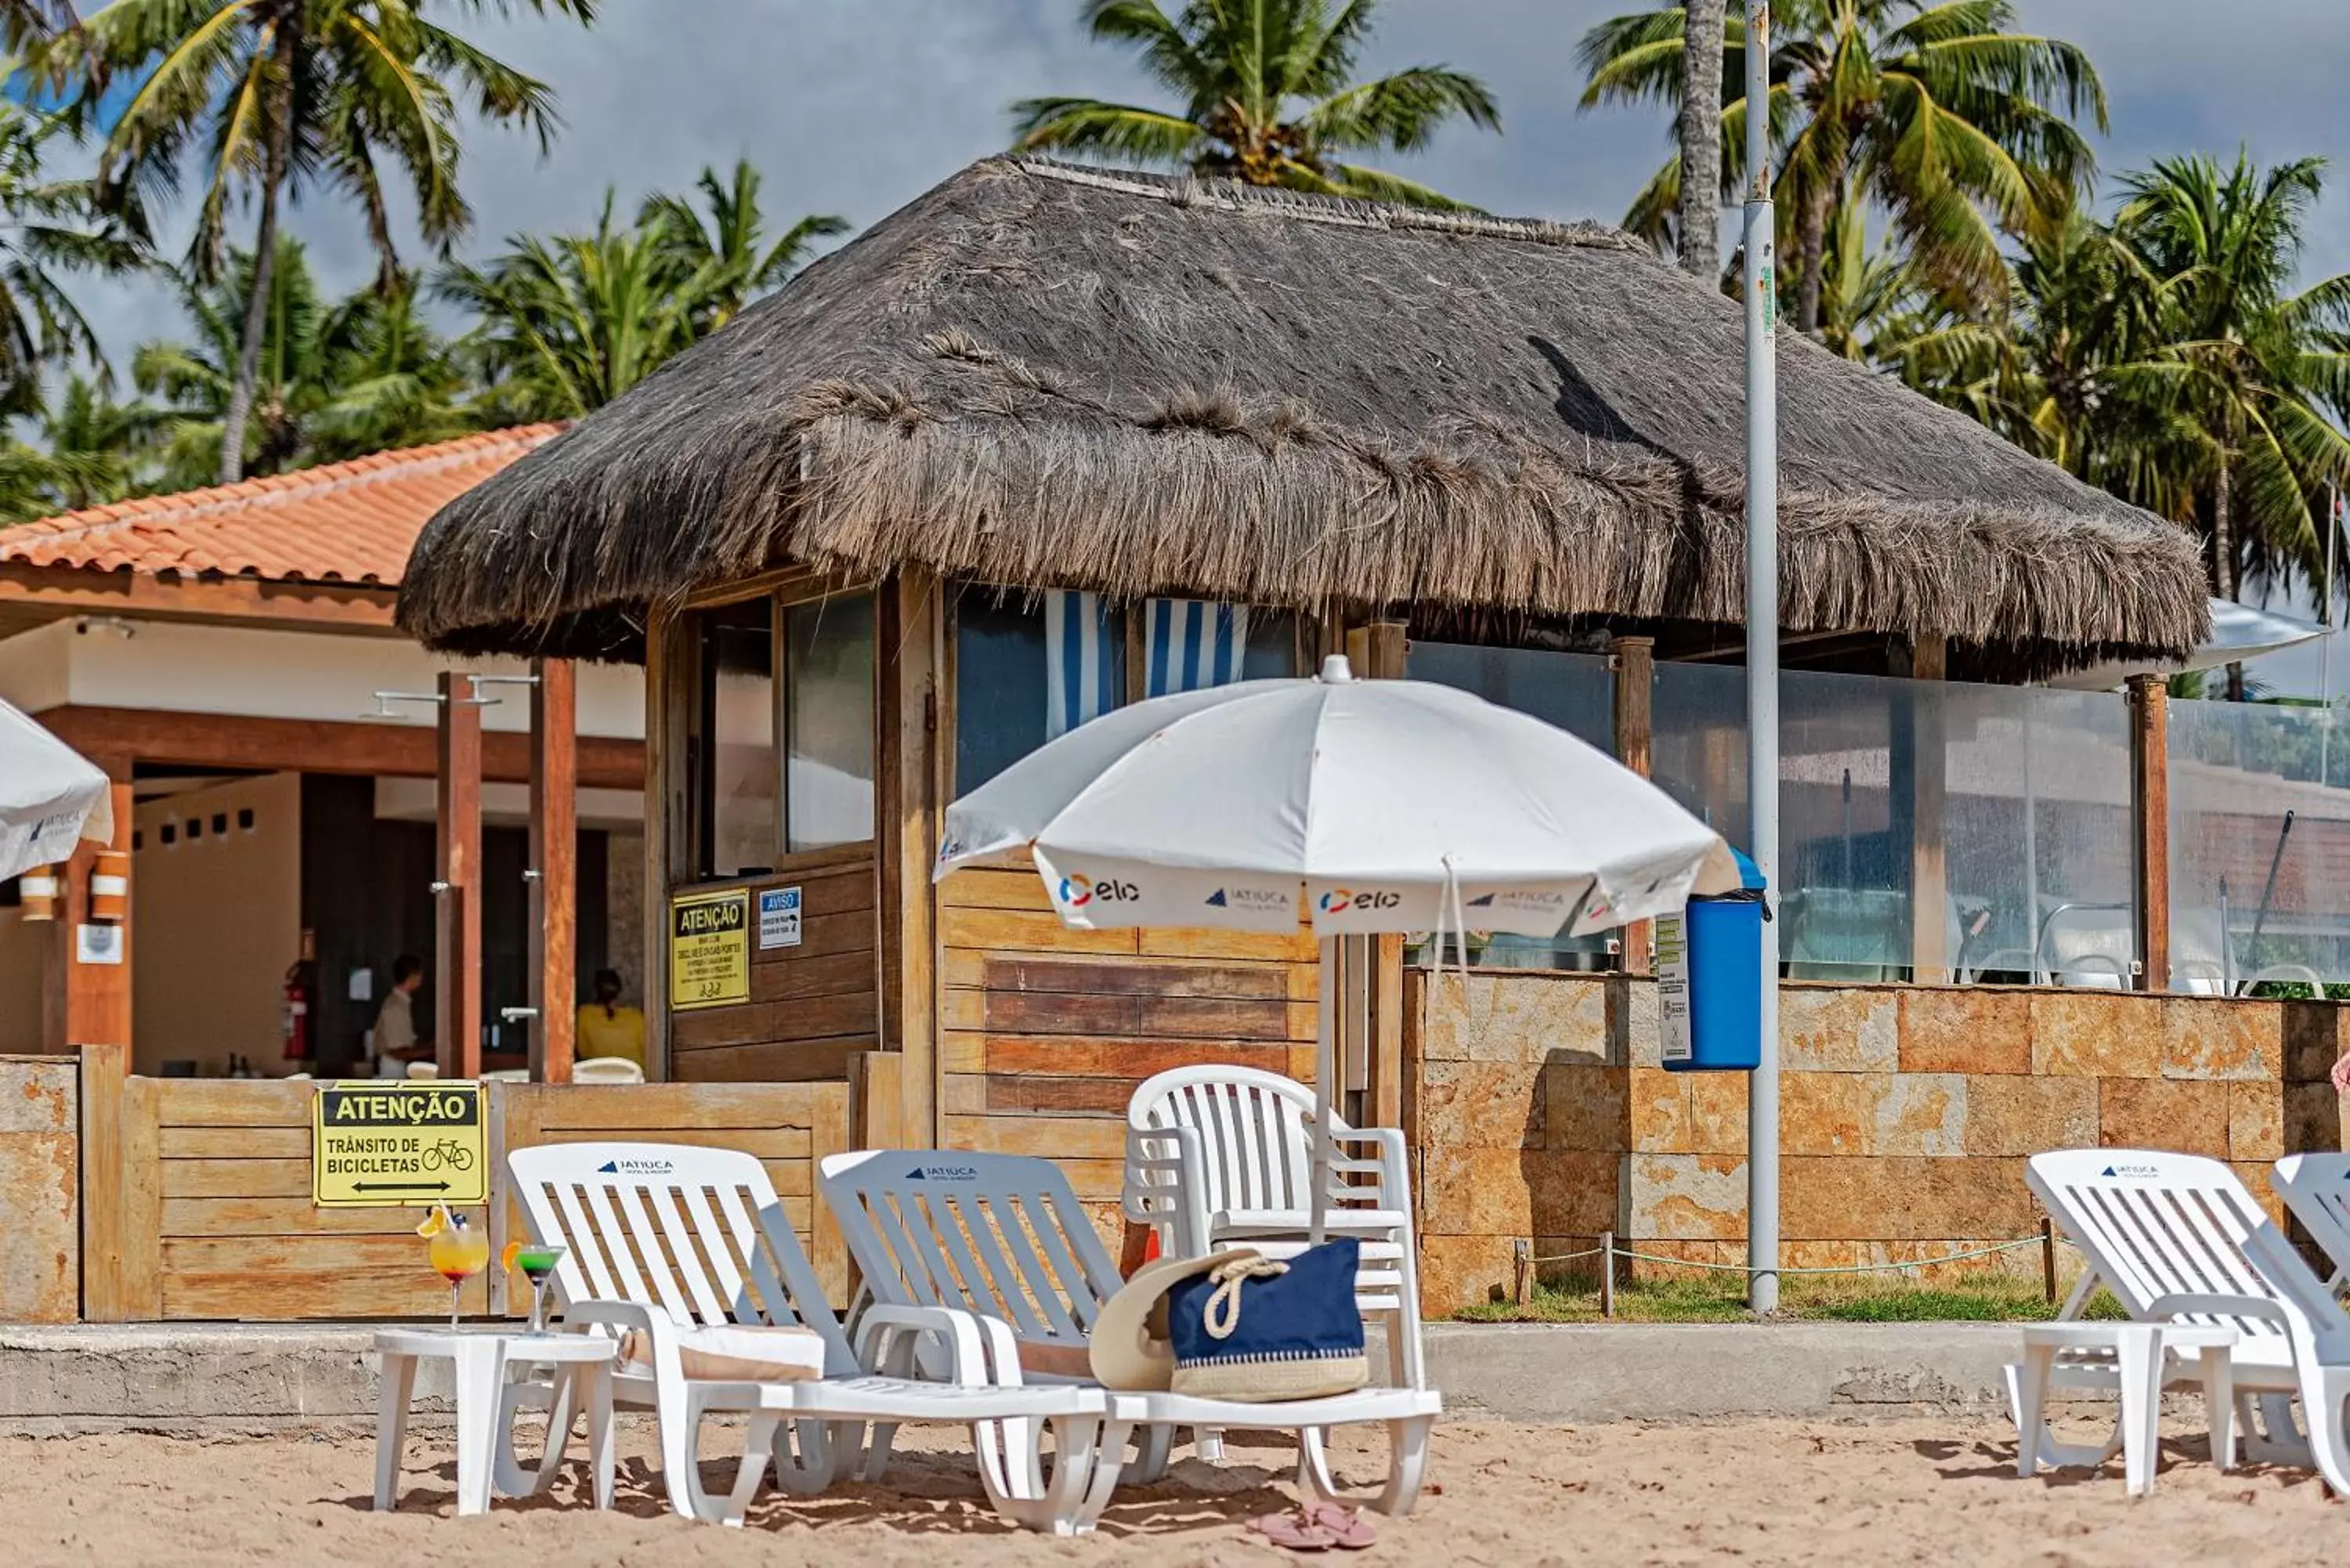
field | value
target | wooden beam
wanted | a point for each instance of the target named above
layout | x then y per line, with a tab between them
1634	664
555	859
457	826
2150	822
669	696
913	745
104	1069
226	601
1925	660
319	746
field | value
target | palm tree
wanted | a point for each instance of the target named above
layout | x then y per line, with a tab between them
1939	116
103	449
569	324
1698	129
334	379
2250	367
1267	95
732	244
271	97
49	225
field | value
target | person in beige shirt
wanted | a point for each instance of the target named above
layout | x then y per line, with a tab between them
396	1040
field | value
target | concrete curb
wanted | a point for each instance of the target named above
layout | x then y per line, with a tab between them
228	1377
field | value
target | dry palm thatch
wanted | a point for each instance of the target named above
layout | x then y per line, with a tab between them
1055	377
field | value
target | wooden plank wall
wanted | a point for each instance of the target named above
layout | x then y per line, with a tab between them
812	1007
1045	1031
205	1208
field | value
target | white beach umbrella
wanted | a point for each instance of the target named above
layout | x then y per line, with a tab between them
49	796
1363	807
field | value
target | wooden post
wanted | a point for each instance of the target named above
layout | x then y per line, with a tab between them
2150	817
1377	652
910	656
670	689
1930	883
104	1069
1607	1273
86	1003
2048	1257
457	937
555	864
1634	664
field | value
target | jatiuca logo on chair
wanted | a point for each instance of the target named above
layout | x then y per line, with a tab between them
635	1167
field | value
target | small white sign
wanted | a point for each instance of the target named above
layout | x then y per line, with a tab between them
98	944
779	917
1672	989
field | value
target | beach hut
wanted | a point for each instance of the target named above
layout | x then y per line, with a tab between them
1049	439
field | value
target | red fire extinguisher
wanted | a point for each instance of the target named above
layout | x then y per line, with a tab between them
295	1013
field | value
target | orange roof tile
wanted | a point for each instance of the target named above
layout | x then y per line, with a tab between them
344	521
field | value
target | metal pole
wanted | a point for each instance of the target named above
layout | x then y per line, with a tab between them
1763	646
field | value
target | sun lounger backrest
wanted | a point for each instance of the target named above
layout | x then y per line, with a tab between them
2155	1223
1255	1140
2317	1188
696	1232
999	1234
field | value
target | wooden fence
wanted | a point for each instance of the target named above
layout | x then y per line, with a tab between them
196	1197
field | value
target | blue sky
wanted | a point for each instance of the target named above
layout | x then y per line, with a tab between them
857	106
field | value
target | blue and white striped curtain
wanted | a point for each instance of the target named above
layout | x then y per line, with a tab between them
1194	644
1189	645
1084	661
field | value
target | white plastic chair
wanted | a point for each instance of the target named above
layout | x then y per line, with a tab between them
1005	1236
2172	1236
661	1238
2317	1188
606	1070
1219	1156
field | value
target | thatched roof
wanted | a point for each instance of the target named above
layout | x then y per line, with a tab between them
1055	377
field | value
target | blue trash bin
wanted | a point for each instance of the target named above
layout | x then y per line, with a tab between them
1710	980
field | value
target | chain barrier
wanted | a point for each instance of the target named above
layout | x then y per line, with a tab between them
1526	1262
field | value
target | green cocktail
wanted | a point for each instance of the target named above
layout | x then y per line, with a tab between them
538	1261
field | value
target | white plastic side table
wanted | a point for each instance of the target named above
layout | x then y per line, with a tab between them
479	1359
2141	1353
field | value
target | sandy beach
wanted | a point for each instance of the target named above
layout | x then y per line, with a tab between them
1928	1491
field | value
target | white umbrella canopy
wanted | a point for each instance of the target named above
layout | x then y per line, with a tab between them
50	798
1367	806
1386	805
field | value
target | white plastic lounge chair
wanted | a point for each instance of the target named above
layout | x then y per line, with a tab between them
1005	1236
2173	1237
663	1238
2317	1188
606	1070
1220	1156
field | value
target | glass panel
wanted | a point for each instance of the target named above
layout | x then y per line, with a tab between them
1272	651
738	734
1576	691
2260	848
828	720
2036	825
2029	807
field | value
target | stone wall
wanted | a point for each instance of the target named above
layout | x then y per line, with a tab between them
40	1188
1906	1114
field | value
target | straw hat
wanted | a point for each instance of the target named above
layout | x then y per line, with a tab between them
1130	1350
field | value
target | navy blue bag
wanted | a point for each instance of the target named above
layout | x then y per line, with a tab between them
1258	1330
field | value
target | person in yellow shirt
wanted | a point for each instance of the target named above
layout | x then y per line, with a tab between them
608	1029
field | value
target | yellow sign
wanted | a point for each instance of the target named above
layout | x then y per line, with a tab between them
709	948
392	1144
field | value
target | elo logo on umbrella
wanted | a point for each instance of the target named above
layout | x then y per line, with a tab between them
1339	901
1077	890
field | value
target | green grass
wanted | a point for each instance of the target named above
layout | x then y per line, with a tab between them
1980	1298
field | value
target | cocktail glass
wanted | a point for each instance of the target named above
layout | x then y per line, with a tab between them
538	1261
459	1251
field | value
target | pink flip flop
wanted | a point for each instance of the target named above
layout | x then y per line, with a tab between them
1348	1530
1294	1531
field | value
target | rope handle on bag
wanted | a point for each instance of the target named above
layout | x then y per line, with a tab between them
1221	1315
